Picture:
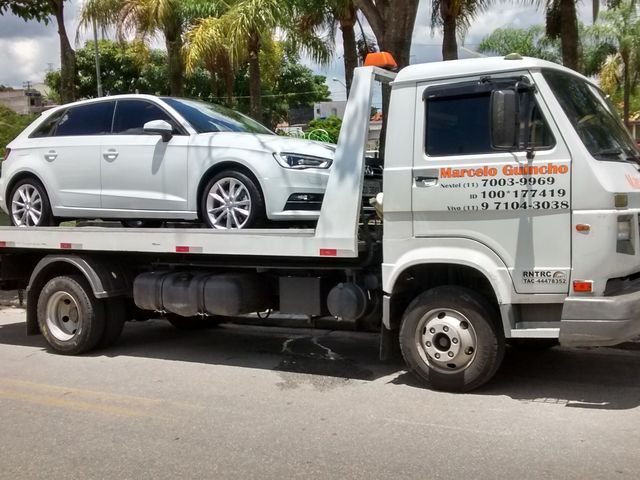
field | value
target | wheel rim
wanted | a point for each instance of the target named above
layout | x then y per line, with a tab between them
446	340
228	204
26	206
63	320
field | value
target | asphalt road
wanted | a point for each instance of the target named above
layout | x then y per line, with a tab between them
257	402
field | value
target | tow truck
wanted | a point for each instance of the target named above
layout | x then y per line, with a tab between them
509	213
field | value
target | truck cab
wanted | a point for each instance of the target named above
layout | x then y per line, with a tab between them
514	176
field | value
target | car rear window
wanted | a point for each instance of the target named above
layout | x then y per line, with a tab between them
89	119
48	125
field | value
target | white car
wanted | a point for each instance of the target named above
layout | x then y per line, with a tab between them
143	159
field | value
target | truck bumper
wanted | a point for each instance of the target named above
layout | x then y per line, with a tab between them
600	321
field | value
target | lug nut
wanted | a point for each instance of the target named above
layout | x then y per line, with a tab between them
454	340
450	354
428	344
469	350
432	330
437	355
445	328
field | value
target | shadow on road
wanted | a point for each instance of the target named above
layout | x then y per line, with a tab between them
601	378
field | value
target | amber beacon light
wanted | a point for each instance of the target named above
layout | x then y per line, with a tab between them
381	59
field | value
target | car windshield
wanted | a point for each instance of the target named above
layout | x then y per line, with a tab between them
593	117
207	117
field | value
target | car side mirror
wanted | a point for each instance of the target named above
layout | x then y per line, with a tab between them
504	119
159	127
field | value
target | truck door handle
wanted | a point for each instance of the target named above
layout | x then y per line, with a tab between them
110	155
50	156
426	181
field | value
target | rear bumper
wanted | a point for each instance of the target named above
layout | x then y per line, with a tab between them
600	321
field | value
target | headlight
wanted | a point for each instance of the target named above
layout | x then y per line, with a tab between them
299	161
624	229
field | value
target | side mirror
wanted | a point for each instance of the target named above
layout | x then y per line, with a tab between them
504	119
159	127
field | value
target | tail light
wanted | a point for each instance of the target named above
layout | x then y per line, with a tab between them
7	151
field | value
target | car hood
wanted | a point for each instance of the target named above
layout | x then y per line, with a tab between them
265	143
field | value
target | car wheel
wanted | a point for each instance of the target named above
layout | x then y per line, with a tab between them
230	201
29	205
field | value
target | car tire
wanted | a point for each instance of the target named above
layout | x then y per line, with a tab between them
232	200
28	204
450	339
70	318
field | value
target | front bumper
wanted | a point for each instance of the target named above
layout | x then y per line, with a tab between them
600	321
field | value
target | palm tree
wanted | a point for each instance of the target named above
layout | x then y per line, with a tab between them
146	17
242	31
454	17
621	27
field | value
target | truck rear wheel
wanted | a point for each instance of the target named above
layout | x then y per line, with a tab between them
116	315
71	319
450	339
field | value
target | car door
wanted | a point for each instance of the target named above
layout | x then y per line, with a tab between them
140	171
514	202
71	155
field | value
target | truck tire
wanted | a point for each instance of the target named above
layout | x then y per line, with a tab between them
116	315
450	339
71	319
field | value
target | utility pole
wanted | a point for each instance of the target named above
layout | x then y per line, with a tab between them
97	50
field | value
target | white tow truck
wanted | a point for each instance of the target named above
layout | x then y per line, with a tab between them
510	214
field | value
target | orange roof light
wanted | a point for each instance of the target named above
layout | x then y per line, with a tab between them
380	59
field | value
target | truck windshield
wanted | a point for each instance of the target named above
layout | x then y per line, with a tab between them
208	117
594	118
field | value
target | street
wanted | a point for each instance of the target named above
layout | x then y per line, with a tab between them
244	401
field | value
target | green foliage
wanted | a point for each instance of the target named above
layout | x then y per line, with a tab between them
11	124
530	42
286	84
126	68
39	10
331	125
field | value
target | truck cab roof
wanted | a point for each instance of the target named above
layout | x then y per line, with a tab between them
475	66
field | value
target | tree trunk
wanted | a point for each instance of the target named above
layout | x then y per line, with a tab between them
173	42
67	56
626	90
350	45
255	88
569	39
449	38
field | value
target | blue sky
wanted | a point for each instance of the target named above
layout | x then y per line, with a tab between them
28	49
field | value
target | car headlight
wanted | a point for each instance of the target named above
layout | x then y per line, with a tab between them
299	161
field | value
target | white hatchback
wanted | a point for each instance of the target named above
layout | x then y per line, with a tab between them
142	160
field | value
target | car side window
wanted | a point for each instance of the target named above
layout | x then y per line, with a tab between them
48	126
460	125
88	119
131	115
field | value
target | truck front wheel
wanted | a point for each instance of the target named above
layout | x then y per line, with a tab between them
451	340
71	319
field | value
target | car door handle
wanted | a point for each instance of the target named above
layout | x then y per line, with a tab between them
426	181
110	155
50	156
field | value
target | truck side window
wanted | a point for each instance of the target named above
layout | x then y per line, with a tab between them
459	125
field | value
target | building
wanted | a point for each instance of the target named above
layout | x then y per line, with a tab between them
328	109
22	101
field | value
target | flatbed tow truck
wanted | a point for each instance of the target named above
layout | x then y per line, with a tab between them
500	223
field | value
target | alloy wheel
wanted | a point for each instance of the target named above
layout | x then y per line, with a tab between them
228	204
26	206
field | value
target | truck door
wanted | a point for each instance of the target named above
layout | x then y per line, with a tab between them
514	202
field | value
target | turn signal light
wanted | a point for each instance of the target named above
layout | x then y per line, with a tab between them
7	151
583	227
381	59
582	286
